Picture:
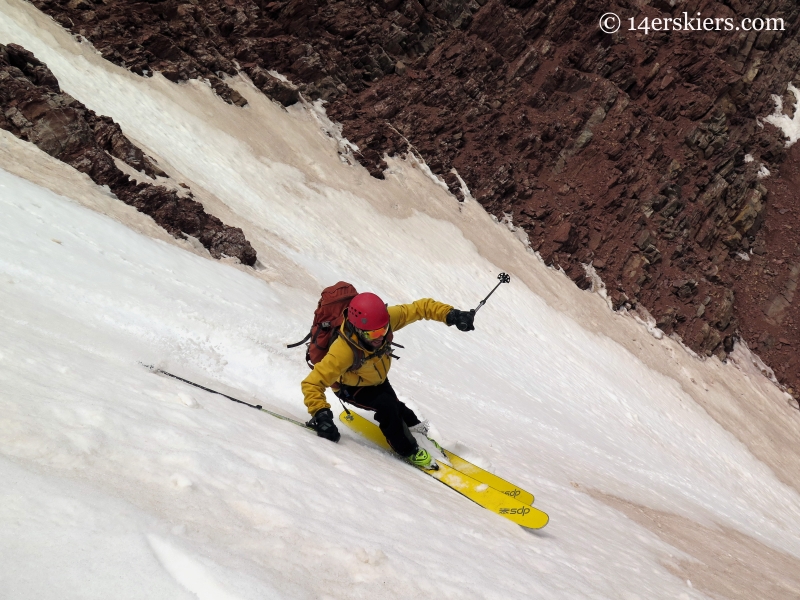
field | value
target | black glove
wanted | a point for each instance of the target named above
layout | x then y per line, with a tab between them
461	319
323	423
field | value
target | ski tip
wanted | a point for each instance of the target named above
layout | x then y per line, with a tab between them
543	520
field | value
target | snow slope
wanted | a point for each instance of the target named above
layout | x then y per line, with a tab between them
123	484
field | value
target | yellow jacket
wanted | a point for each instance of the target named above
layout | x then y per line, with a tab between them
334	367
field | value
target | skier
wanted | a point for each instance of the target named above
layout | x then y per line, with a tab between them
357	365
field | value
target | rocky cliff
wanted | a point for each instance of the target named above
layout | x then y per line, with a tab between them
34	108
644	154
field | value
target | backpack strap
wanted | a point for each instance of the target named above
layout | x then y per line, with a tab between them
324	326
334	335
303	341
358	353
387	346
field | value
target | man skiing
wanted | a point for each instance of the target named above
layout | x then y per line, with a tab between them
357	365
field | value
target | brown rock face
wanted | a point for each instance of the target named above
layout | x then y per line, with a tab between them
33	108
629	151
768	303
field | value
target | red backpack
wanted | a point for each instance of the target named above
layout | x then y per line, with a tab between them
327	319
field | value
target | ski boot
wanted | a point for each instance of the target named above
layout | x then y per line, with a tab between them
421	458
423	427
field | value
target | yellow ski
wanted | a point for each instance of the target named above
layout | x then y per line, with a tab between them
477	491
490	479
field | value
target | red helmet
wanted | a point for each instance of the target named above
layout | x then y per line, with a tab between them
367	312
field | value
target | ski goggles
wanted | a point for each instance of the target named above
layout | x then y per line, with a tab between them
373	334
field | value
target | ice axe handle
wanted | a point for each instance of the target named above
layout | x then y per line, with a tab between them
504	278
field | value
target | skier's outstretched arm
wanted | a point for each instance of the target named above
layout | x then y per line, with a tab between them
426	308
401	315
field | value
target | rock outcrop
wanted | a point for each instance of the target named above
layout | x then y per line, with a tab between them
33	107
641	153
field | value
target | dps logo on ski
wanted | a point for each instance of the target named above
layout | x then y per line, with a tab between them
513	493
515	511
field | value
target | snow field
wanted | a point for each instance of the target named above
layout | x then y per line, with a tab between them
221	478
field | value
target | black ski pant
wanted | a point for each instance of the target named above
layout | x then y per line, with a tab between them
393	417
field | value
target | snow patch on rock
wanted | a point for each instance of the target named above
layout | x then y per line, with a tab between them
642	316
331	129
519	232
789	125
750	363
598	285
464	187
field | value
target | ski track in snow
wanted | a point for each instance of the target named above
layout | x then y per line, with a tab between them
131	485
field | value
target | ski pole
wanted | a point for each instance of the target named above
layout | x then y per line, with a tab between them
155	369
504	278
